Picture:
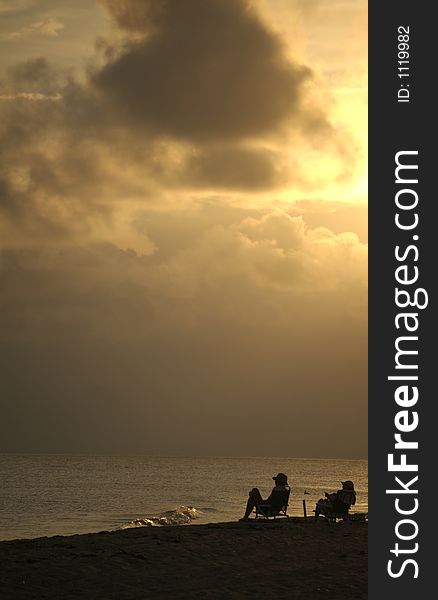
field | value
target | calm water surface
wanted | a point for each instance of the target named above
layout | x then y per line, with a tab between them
66	494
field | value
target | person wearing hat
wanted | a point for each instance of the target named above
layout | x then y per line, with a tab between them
338	502
255	497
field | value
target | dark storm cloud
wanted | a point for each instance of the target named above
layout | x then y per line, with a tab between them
206	74
53	172
208	70
142	16
234	167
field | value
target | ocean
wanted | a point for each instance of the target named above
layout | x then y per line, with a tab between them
45	495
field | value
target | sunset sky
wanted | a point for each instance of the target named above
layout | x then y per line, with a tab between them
183	227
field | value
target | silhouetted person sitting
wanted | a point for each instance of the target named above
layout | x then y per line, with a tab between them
337	503
255	498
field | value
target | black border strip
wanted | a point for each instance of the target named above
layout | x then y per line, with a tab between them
396	126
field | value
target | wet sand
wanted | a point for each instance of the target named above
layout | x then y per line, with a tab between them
277	559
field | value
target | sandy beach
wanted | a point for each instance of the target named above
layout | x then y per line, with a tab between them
281	559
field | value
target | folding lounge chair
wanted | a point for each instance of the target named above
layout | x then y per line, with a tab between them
341	507
277	506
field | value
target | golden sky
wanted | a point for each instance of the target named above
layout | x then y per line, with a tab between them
183	226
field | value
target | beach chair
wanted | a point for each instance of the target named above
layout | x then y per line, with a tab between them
278	504
341	507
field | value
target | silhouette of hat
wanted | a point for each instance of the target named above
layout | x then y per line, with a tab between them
280	478
347	485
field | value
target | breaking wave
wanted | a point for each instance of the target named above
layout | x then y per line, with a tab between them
180	516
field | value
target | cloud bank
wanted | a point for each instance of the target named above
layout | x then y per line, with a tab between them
156	297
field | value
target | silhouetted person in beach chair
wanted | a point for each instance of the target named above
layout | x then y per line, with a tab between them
274	505
338	504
